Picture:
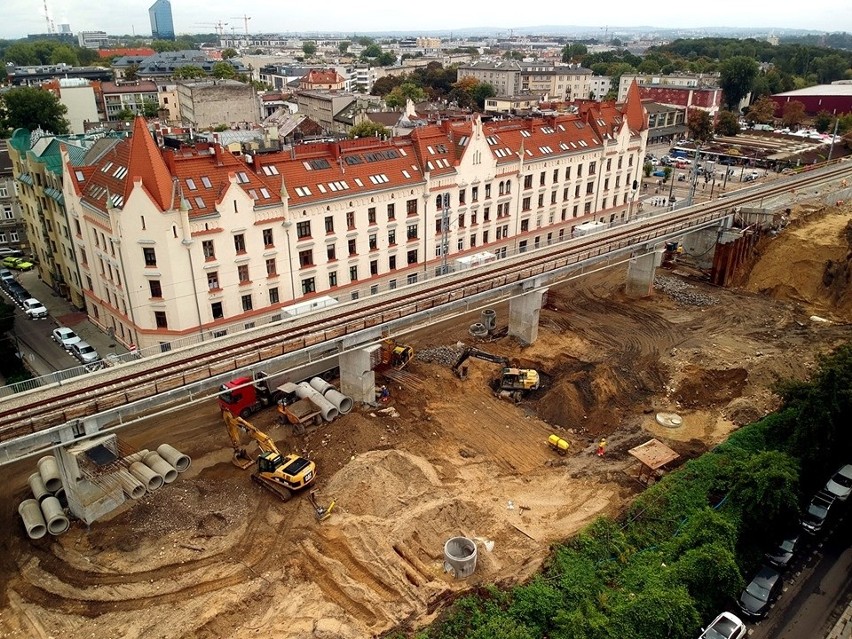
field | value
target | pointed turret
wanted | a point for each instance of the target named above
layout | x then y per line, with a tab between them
146	163
633	110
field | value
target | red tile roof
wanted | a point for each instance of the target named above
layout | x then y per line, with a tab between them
316	172
633	110
322	76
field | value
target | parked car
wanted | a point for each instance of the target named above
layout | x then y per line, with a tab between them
761	593
659	173
6	276
65	337
85	352
34	309
18	293
817	512
781	555
17	263
725	626
840	484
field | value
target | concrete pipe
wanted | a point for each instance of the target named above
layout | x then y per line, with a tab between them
173	456
161	467
57	521
327	409
50	473
460	556
137	456
342	402
36	483
488	318
151	480
131	486
320	385
30	513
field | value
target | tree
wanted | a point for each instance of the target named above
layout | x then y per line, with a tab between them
309	48
229	53
385	59
125	114
63	54
30	108
700	125
793	113
386	84
189	71
514	55
367	129
397	98
364	41
131	72
571	52
737	75
727	123
371	51
766	492
823	121
150	108
762	111
343	47
482	92
223	71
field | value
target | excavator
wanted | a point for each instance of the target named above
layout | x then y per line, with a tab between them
280	474
396	355
513	383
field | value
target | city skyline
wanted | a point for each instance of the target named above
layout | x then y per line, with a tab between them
22	17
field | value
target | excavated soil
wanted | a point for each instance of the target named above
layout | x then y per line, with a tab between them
213	555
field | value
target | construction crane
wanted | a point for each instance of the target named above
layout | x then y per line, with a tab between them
219	27
244	18
50	26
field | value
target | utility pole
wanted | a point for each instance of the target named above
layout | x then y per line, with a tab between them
833	135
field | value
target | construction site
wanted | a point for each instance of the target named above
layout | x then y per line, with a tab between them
455	446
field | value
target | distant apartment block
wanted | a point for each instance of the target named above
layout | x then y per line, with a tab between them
93	39
209	103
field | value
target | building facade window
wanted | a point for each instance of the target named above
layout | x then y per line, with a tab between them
240	243
273	295
303	229
160	319
267	238
156	289
243	273
213	280
306	258
208	249
329	224
216	310
150	256
246	302
271	267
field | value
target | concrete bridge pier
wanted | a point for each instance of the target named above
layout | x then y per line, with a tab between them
524	312
87	500
357	378
640	274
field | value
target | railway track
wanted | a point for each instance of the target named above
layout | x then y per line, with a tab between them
46	407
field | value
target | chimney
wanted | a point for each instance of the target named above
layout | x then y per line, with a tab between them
217	151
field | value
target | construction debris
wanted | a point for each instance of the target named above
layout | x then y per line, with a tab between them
683	292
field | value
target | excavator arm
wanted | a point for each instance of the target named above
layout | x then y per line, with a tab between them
236	424
478	354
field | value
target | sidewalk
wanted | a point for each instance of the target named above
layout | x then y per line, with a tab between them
65	314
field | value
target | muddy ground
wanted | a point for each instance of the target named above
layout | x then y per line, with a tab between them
212	555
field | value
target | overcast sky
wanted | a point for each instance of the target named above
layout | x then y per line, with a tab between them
20	17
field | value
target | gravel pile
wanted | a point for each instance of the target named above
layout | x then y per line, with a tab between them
445	355
682	292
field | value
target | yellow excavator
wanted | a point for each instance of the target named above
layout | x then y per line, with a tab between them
513	383
280	474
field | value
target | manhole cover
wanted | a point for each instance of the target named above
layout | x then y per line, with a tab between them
669	420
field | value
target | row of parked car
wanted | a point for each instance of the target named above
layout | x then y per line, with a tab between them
71	342
21	296
762	591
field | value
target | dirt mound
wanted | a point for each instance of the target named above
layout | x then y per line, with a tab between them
809	263
374	483
599	394
701	388
743	411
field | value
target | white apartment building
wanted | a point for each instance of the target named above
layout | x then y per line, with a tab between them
197	240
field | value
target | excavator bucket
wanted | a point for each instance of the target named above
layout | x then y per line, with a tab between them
241	459
322	512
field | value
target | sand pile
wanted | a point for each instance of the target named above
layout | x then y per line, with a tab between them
809	263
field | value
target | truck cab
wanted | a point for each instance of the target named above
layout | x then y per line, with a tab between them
244	396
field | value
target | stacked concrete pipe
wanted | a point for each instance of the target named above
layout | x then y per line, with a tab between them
174	457
57	522
130	485
160	466
328	410
137	456
49	471
338	399
30	513
150	479
36	483
460	556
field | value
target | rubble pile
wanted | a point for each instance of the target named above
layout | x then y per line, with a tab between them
444	355
682	292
